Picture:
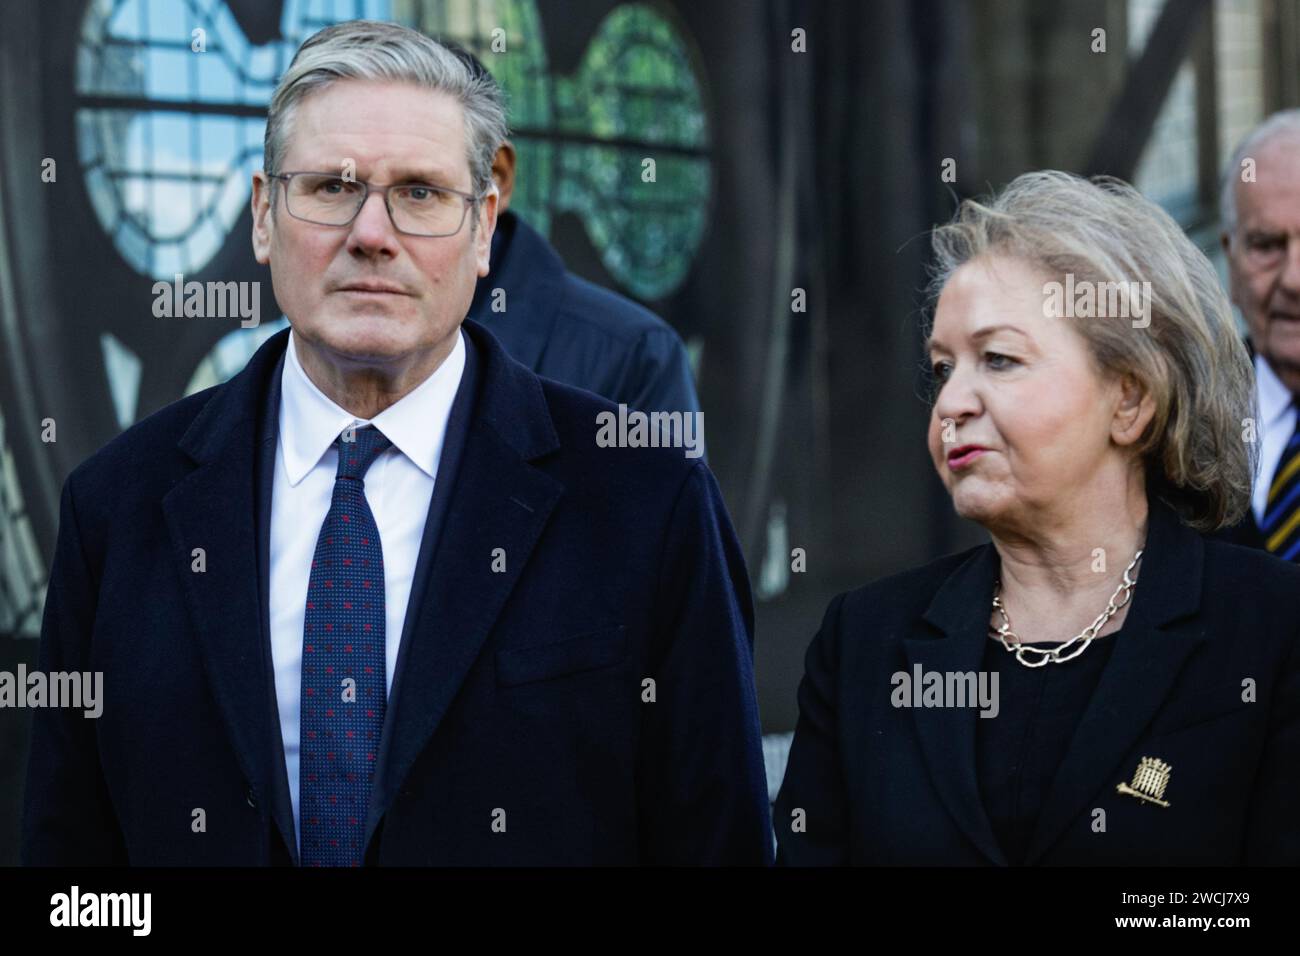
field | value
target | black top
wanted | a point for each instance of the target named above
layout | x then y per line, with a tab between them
875	783
1018	751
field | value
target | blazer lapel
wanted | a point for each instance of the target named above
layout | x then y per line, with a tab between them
960	611
498	500
1148	657
214	508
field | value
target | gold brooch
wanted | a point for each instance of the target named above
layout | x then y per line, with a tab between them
1149	781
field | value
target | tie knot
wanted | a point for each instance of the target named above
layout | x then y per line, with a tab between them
356	457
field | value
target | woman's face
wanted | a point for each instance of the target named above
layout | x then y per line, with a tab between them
1021	427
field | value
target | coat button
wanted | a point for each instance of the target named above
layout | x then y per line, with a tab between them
251	798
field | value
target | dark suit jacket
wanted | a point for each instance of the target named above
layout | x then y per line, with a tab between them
520	691
566	328
886	785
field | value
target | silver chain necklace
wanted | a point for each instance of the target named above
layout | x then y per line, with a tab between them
1056	655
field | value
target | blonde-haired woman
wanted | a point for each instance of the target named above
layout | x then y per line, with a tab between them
1099	684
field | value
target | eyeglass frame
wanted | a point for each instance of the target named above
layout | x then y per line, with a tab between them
470	200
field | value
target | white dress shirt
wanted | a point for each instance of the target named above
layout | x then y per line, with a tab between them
398	487
1276	426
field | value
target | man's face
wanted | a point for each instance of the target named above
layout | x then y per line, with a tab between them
392	132
1264	256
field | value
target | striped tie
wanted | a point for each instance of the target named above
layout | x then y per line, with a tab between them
1282	513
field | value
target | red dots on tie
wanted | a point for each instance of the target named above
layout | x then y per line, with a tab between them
343	783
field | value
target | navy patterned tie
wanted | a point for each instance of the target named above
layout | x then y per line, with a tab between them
344	684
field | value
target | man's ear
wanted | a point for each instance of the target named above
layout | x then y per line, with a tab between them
1134	412
487	224
503	173
263	218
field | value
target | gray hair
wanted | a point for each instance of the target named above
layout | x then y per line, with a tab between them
1189	358
1283	123
375	50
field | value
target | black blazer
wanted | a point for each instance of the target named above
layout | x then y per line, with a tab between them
883	785
520	689
1245	532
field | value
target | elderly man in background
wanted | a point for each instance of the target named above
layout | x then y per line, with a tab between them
1260	215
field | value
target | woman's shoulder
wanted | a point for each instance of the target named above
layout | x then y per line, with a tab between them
905	594
1230	565
1258	590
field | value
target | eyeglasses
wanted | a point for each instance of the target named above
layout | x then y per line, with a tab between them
416	209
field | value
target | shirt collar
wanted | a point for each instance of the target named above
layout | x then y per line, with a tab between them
416	424
1274	398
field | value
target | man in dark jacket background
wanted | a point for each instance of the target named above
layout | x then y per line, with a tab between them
566	328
